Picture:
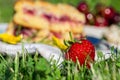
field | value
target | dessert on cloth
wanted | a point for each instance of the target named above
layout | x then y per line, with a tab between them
36	20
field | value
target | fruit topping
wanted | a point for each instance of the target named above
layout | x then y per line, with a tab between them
29	11
24	31
64	18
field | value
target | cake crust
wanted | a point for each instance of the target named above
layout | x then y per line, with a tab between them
31	14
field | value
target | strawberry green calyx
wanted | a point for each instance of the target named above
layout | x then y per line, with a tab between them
73	40
69	42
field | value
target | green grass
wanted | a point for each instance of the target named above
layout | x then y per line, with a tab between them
35	67
6	10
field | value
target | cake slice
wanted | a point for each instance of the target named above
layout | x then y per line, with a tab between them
44	19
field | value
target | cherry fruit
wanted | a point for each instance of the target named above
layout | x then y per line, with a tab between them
108	13
83	7
90	18
116	18
101	21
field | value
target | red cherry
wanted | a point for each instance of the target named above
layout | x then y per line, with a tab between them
116	18
101	21
89	18
83	7
108	13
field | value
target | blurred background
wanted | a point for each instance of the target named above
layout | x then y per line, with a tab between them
94	9
6	10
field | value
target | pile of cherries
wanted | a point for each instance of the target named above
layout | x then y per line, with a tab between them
103	16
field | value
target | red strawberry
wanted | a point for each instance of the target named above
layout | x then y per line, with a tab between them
84	52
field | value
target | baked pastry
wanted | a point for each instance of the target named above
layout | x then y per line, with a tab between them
39	19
